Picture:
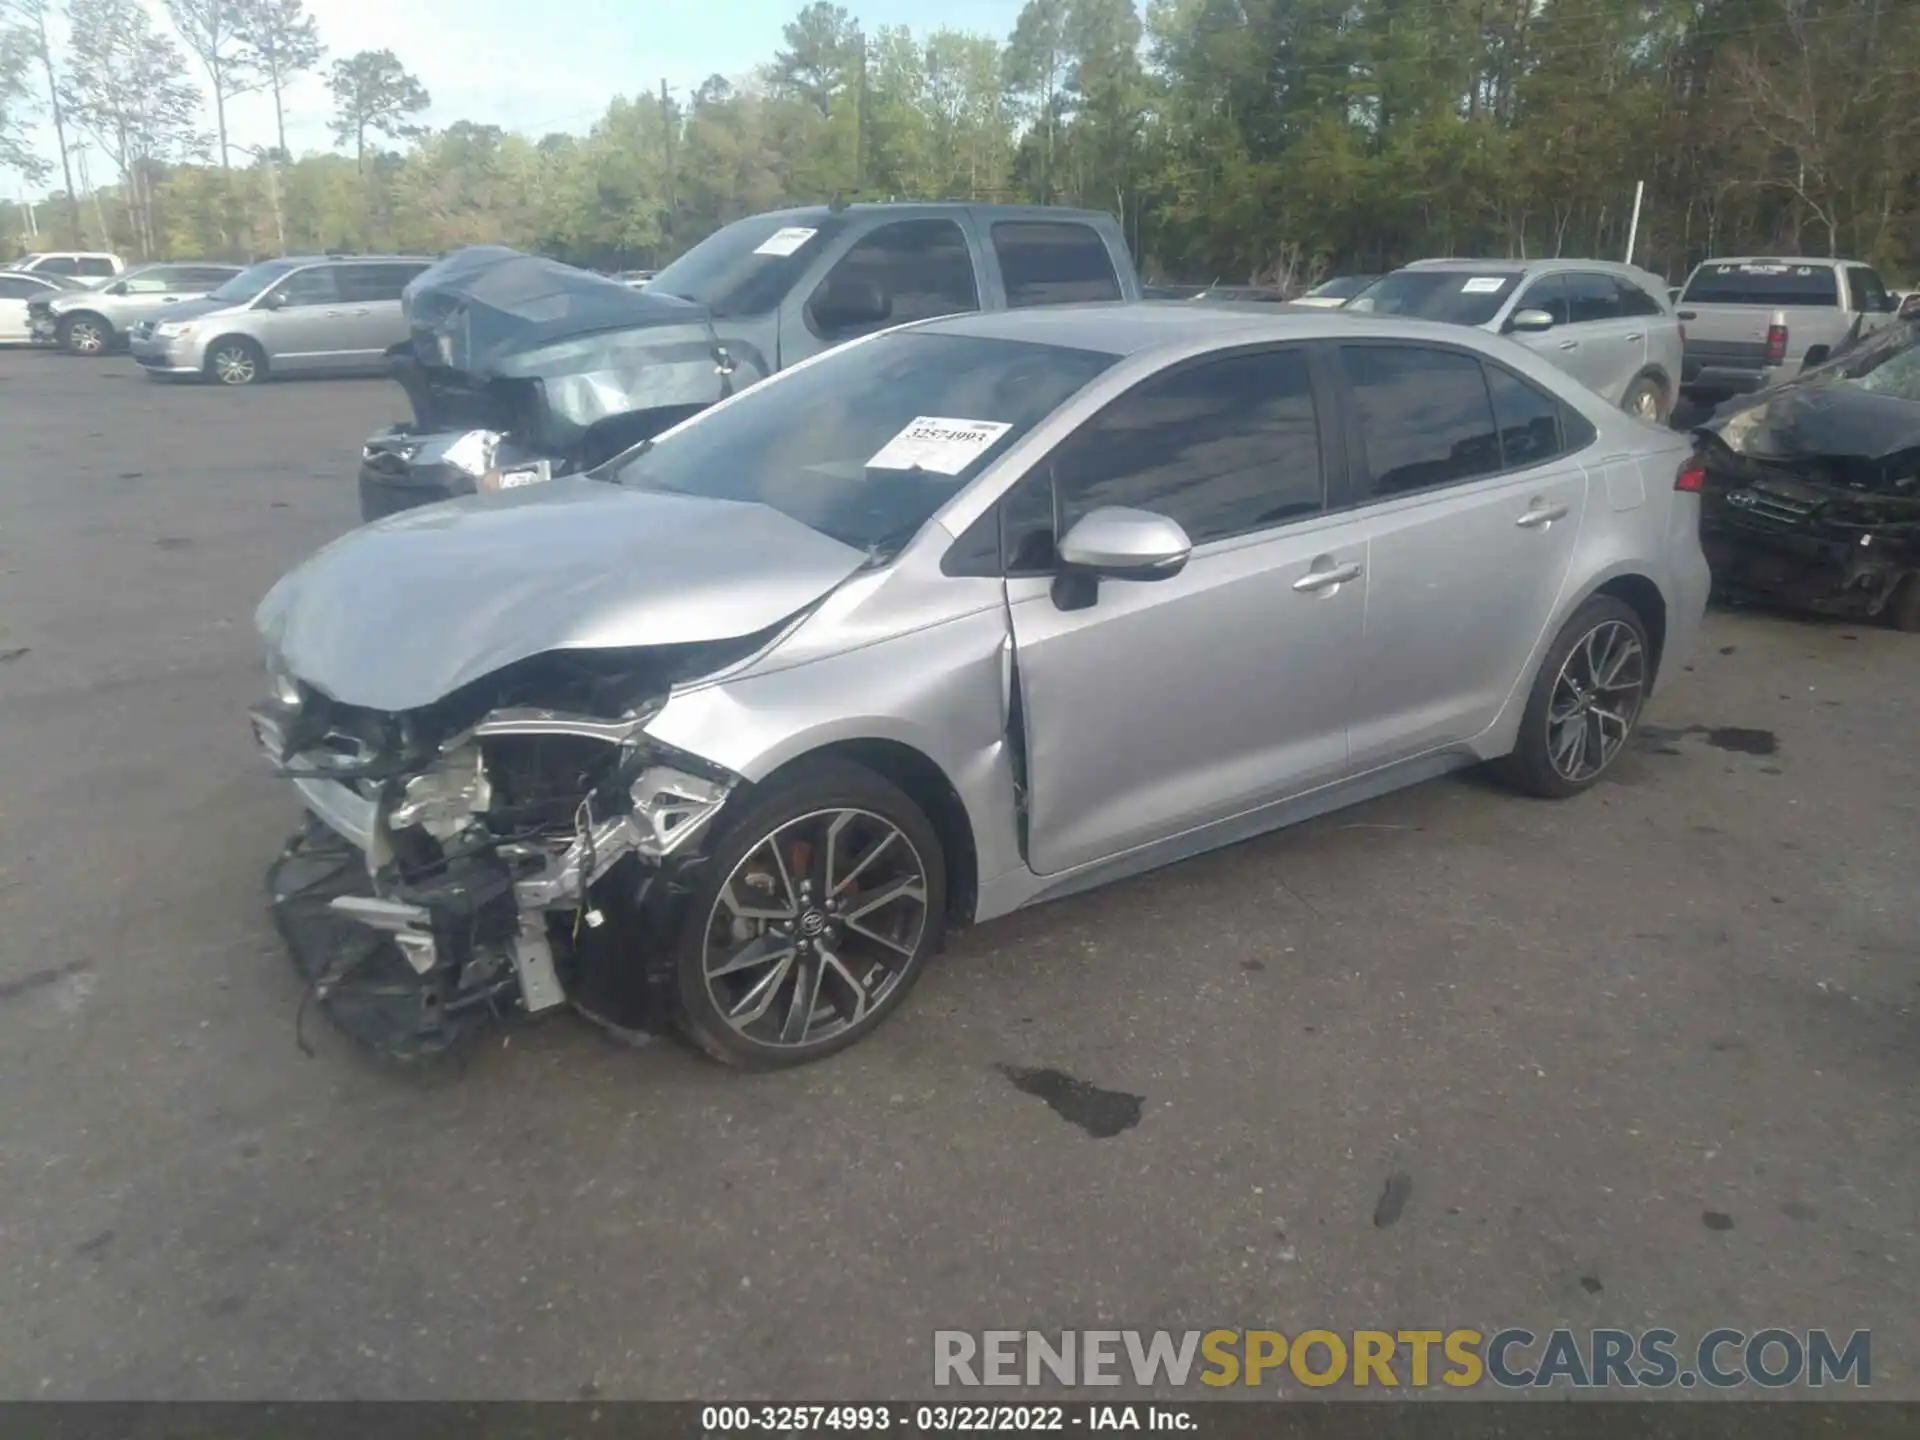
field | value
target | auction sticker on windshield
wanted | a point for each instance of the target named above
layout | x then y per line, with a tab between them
1483	285
939	444
785	241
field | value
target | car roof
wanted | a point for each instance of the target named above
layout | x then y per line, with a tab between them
346	259
908	209
1825	261
1126	328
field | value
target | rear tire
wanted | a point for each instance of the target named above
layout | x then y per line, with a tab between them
235	361
816	913
1647	399
1585	703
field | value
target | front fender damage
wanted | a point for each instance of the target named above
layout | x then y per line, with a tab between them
534	859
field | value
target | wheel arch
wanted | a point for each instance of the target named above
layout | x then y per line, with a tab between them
924	782
66	322
228	337
1640	594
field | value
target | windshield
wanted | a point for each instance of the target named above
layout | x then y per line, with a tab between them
251	281
868	442
746	268
1459	297
1342	287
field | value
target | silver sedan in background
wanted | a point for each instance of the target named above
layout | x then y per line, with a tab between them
1608	325
954	619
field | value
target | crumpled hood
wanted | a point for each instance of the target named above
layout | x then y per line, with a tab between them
1859	411
400	613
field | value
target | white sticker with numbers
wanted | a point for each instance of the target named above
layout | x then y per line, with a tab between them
1483	285
938	444
785	240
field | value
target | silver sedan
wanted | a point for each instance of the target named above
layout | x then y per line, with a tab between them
952	620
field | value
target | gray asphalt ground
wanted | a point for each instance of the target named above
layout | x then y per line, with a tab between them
1645	1058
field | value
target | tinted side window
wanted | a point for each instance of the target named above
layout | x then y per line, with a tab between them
375	282
316	285
1424	416
1549	293
152	282
64	265
923	266
1053	263
1591	298
201	278
1868	293
1635	301
89	266
1223	447
1529	420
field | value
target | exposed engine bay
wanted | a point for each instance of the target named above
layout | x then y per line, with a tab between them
1813	487
503	849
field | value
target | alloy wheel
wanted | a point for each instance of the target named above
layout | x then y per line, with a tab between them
815	927
1646	404
233	365
1596	699
85	338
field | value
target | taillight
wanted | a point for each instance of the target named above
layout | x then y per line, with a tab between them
1776	342
1692	477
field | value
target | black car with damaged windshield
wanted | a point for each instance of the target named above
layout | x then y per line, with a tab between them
520	368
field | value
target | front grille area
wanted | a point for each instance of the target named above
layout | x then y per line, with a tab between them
1770	509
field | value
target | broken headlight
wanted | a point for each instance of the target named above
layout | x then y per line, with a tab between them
443	801
473	452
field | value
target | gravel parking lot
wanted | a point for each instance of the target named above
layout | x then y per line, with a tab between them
1644	1058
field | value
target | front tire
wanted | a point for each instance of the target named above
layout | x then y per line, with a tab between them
1585	703
85	335
236	361
821	903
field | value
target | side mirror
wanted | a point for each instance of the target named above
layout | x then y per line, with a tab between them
119	287
1119	543
1674	292
273	300
849	302
1531	322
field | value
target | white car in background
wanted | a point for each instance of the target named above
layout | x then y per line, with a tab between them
16	289
86	266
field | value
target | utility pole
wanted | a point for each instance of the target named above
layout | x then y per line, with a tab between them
860	115
1633	226
668	126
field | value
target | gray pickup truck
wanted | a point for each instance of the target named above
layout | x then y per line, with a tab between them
1753	321
519	368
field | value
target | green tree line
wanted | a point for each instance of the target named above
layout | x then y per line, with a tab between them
1270	140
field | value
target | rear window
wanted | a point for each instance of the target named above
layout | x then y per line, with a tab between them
1045	262
1762	283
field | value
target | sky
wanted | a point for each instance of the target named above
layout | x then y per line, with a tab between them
543	65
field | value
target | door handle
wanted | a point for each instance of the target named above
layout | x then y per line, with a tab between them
1636	336
1541	515
1315	581
1689	314
1569	344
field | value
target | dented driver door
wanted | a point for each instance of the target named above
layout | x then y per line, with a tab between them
1163	709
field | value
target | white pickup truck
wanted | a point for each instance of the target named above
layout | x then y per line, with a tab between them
1752	321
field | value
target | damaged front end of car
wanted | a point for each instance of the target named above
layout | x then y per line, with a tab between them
1812	494
518	369
511	849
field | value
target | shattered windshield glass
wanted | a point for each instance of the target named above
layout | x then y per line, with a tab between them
1896	374
747	267
866	443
